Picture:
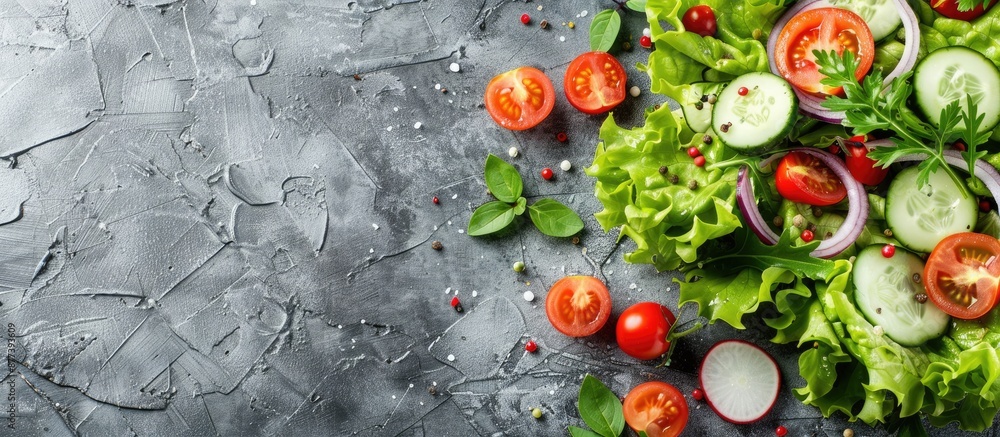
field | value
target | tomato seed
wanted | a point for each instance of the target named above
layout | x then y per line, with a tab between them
525	18
645	41
531	346
562	137
781	431
547	173
888	250
742	91
699	160
807	236
697	394
920	297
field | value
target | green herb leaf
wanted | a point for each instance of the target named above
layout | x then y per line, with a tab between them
490	217
502	179
636	5
554	219
604	30
520	206
600	408
580	432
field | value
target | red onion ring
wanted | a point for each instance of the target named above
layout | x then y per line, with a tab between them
846	235
813	105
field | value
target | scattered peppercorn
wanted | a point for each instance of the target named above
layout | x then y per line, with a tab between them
712	98
743	91
536	413
436	200
544	24
817	211
781	431
432	390
692	185
848	432
673	179
778	221
725	127
699	160
519	267
456	304
525	18
571	25
920	297
645	41
878	310
888	250
693	152
807	236
707	139
627	46
562	137
699	105
756	34
531	346
916	277
887	232
697	394
357	77
664	169
547	174
436	245
576	240
444	90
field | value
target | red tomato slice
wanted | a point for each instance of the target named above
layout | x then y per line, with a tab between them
657	408
520	98
578	306
642	329
962	273
949	8
595	82
805	179
861	166
823	29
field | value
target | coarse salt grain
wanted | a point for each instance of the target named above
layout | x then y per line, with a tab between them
388	128
634	91
451	357
454	196
417	125
475	293
512	152
454	67
565	165
646	32
562	39
437	86
529	296
583	13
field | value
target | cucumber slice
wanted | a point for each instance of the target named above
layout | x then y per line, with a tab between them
881	15
952	73
755	122
698	102
885	290
920	217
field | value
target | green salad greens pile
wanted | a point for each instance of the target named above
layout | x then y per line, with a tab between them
684	217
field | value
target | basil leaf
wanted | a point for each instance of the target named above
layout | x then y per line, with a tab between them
554	219
604	30
502	179
600	408
636	5
490	217
580	432
520	205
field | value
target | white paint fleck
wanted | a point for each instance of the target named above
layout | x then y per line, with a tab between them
451	357
529	296
454	67
565	165
634	91
512	152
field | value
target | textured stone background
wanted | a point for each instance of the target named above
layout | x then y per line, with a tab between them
210	226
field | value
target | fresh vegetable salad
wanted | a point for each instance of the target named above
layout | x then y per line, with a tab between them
835	160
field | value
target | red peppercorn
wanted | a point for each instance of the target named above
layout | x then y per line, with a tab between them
984	205
697	394
781	431
562	137
525	18
807	235
888	250
645	41
743	91
693	152
531	346
834	149
436	200
699	161
547	173
958	145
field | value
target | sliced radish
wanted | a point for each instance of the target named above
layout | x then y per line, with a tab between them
740	381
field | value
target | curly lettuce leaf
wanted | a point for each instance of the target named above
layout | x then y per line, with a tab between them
979	35
668	219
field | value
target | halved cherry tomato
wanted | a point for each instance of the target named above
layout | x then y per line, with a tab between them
860	165
700	19
595	82
823	29
962	273
520	98
578	306
657	408
949	8
642	330
805	179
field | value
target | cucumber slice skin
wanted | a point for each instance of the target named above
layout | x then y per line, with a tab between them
950	73
884	290
920	217
756	122
700	120
881	16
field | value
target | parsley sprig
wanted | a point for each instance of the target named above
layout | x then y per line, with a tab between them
872	105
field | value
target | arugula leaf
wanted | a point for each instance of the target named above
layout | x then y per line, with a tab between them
502	179
554	219
599	408
968	5
604	29
490	217
750	252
